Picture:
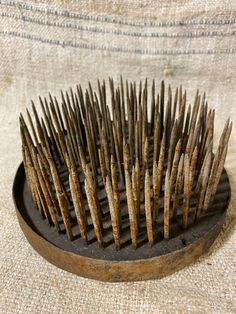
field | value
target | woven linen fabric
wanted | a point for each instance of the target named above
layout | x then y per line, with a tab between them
52	45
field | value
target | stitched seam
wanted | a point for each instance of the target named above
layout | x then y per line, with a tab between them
65	43
114	20
196	34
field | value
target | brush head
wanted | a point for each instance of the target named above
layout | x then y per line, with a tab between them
135	171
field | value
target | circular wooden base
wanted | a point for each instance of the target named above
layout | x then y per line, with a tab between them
107	264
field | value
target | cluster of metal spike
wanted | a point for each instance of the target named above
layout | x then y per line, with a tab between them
81	155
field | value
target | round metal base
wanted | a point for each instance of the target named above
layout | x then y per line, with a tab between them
107	264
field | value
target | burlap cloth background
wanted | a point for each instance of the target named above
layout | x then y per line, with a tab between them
52	45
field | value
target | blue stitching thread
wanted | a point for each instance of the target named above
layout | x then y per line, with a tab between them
199	34
113	20
117	49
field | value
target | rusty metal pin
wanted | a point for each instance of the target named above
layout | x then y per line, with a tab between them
83	154
167	207
148	211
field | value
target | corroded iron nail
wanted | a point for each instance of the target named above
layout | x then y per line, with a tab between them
178	186
156	139
155	190
167	207
145	156
134	190
77	199
102	164
159	179
138	186
62	200
148	211
203	185
193	164
217	177
130	200
116	191
94	213
186	191
174	167
172	145
114	213
118	149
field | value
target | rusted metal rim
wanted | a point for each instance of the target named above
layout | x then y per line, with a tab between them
186	248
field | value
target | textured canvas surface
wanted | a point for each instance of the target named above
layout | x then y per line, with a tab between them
52	45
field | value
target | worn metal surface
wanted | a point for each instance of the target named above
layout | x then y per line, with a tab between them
107	264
